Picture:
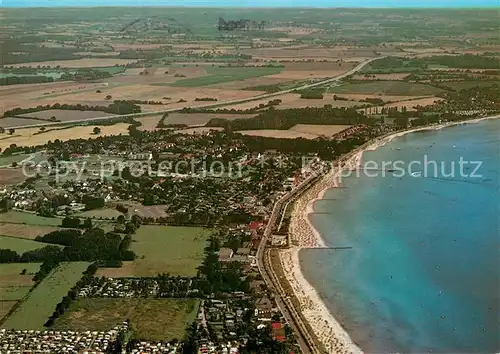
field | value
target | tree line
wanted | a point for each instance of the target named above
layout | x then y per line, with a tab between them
287	118
90	245
117	107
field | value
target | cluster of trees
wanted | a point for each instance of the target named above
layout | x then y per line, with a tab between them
117	107
139	102
16	80
38	255
76	222
92	202
242	24
221	277
287	118
205	99
85	74
311	94
72	294
374	100
91	245
466	61
45	268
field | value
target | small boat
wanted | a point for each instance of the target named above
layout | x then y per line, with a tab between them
416	174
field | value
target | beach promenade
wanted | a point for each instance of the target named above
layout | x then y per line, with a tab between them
309	306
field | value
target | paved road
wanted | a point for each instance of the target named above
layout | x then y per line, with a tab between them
283	301
209	105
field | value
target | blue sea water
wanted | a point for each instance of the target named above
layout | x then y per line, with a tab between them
423	271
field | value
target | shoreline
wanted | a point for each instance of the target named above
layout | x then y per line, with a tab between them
303	234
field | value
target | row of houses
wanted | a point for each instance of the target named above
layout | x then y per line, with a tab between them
56	342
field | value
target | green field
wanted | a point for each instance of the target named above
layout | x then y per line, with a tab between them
37	308
151	319
391	88
217	75
28	218
168	249
105	213
13	285
8	160
20	245
460	85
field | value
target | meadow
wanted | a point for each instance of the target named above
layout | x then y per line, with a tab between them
19	245
41	302
388	88
151	319
168	249
218	75
18	217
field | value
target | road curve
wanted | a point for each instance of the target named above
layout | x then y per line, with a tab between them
210	105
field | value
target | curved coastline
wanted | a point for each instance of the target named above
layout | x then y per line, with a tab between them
303	234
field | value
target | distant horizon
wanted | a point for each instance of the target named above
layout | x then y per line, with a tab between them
355	4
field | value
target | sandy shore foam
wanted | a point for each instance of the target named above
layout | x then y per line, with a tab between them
303	235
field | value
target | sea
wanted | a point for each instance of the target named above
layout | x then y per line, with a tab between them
421	269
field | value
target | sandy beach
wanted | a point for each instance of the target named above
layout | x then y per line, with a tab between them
303	235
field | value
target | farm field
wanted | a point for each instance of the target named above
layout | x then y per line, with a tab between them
20	245
409	104
25	231
67	115
25	137
293	100
12	122
218	75
168	249
255	82
36	309
152	319
196	119
8	160
76	63
319	130
301	71
13	285
18	217
11	176
148	123
388	88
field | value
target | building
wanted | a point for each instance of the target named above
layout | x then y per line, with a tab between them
225	254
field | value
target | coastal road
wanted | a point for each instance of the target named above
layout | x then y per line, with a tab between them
209	105
294	320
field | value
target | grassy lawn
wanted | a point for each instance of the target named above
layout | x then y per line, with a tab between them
28	218
8	160
20	245
392	88
37	308
217	75
151	319
168	249
105	213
